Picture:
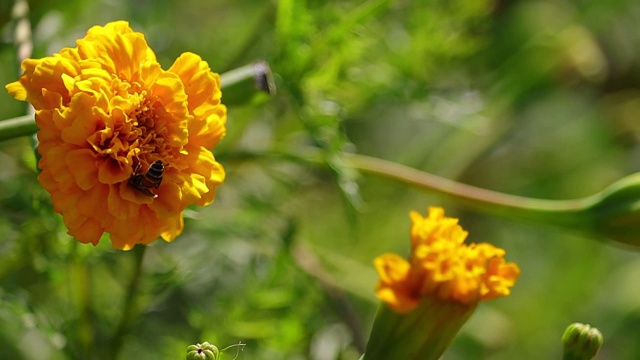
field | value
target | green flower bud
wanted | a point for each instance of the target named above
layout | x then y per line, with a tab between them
581	342
612	214
204	351
616	211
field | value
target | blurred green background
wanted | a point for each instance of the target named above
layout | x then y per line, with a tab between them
534	98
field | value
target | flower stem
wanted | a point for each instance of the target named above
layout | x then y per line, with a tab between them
491	201
128	306
566	213
26	125
80	274
17	127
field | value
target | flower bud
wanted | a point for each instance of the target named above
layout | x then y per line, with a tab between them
612	214
429	296
581	342
204	351
616	212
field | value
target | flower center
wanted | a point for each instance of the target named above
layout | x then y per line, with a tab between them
136	135
146	135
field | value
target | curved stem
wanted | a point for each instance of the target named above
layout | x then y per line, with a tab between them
557	212
468	193
128	306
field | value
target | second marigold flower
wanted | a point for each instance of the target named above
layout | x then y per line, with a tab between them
125	145
441	265
429	296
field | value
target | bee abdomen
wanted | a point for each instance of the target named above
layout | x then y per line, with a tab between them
155	173
152	178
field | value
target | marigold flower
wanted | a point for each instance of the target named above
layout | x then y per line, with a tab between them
441	265
432	294
125	145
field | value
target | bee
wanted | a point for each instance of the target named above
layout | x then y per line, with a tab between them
151	179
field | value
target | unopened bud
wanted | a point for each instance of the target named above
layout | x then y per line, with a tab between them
581	342
616	213
204	351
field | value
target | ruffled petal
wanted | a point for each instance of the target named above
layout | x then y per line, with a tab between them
203	88
85	177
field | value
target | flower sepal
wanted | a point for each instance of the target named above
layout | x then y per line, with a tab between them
423	333
615	212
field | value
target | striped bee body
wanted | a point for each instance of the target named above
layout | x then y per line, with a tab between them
151	179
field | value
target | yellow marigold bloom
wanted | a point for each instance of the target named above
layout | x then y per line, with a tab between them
441	265
430	295
125	145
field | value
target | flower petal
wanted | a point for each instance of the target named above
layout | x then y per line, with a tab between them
85	176
203	88
173	228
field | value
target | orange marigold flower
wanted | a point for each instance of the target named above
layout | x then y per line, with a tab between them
125	145
443	266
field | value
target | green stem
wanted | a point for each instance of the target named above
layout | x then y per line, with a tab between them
87	337
17	127
491	201
26	125
128	306
80	274
555	212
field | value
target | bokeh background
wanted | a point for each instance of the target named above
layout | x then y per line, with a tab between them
534	98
